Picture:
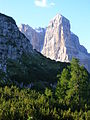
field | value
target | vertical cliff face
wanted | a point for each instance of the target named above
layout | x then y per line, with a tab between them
12	42
36	36
57	42
61	44
57	34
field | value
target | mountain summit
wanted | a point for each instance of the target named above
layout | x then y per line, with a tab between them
57	34
12	42
36	36
60	44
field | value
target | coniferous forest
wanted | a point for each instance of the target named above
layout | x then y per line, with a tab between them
68	99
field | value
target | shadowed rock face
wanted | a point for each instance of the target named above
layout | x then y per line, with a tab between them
12	42
36	36
57	42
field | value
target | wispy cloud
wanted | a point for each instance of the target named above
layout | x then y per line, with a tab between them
52	4
43	3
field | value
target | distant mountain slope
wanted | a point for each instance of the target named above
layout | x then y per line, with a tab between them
60	43
19	61
36	36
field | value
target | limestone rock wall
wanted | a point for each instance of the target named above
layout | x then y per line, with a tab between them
61	44
12	42
36	36
57	42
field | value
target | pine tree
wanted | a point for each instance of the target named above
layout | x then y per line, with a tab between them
78	85
62	85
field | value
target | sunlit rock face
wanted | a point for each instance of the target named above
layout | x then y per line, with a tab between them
36	36
57	42
12	42
57	34
61	44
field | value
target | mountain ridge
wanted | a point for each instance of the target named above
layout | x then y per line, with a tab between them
20	64
61	44
12	42
36	36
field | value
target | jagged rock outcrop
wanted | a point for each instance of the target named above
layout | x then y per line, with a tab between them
61	44
36	36
57	42
57	33
12	42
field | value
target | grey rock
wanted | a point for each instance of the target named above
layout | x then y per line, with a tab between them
12	42
61	44
36	36
57	42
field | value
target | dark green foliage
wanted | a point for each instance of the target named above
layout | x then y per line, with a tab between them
62	85
73	88
70	101
79	85
26	104
34	68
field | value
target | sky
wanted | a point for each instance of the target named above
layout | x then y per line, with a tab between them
38	13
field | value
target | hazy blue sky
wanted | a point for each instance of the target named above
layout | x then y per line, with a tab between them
40	12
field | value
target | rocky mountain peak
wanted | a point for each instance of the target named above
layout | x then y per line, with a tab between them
7	18
36	36
40	30
57	34
59	19
61	44
57	42
12	42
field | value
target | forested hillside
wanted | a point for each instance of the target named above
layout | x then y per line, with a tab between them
70	100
